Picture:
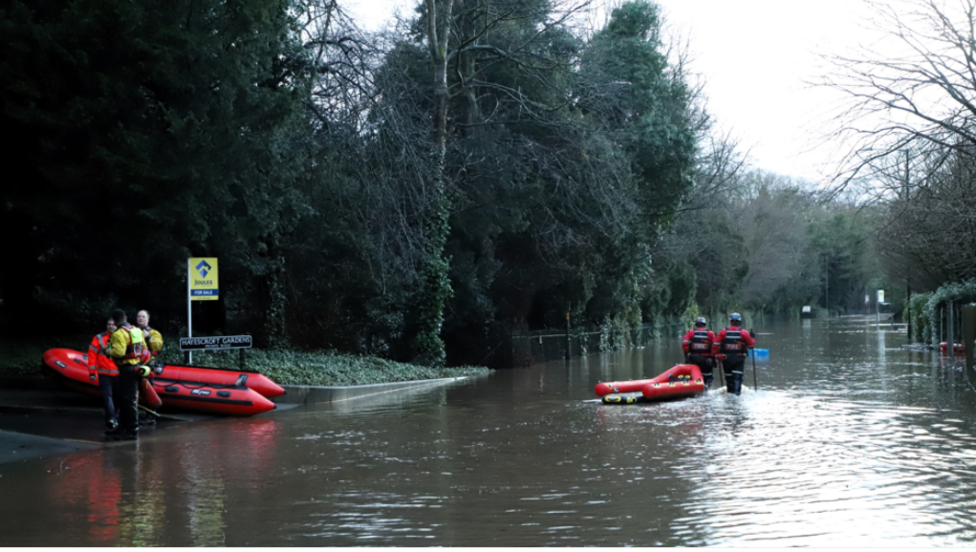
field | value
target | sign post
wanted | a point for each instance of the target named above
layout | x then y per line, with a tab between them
877	307
202	284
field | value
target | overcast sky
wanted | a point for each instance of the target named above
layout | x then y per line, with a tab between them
756	58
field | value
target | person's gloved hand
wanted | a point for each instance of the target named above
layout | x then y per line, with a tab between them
144	371
92	376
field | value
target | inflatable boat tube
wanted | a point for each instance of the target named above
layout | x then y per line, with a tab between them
220	376
606	388
71	367
616	387
624	398
684	380
232	400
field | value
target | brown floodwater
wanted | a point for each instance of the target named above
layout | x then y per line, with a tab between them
849	440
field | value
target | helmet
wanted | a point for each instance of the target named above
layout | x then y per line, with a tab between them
735	316
700	321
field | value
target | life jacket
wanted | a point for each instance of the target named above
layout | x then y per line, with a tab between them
733	344
136	349
97	362
700	343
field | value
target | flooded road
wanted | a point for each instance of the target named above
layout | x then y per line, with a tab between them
849	441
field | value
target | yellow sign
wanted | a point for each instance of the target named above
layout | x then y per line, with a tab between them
202	275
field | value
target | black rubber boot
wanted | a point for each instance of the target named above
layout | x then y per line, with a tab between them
127	435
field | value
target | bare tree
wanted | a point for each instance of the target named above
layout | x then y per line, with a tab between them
911	129
918	94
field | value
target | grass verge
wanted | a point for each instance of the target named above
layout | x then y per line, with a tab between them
327	368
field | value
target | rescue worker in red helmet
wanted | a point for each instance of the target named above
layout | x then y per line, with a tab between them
732	345
103	370
697	345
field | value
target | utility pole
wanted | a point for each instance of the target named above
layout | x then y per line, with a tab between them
908	268
950	330
569	342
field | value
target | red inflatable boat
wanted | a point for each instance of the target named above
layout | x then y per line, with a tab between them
220	376
683	380
71	367
235	400
203	389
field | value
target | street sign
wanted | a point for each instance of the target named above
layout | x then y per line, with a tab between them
216	343
880	296
203	279
867	299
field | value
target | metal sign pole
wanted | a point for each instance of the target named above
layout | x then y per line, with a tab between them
877	306
189	306
950	331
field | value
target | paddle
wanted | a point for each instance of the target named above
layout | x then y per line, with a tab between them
755	385
153	412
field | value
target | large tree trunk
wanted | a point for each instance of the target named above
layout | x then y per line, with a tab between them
428	345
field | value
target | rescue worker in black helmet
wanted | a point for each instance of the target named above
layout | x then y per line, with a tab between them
732	345
697	345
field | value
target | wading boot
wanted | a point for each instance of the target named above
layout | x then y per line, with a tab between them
112	426
127	435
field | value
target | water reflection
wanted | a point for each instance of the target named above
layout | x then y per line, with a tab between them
173	488
849	441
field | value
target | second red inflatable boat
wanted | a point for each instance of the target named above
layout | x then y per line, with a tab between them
683	380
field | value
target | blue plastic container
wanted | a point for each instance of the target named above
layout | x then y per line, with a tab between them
759	354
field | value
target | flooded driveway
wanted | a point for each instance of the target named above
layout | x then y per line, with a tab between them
849	441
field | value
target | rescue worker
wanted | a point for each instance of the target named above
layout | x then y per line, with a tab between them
128	349
697	346
103	370
154	340
732	345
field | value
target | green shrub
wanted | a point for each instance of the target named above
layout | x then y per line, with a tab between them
918	319
953	291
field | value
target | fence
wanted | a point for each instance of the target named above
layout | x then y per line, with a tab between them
545	345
